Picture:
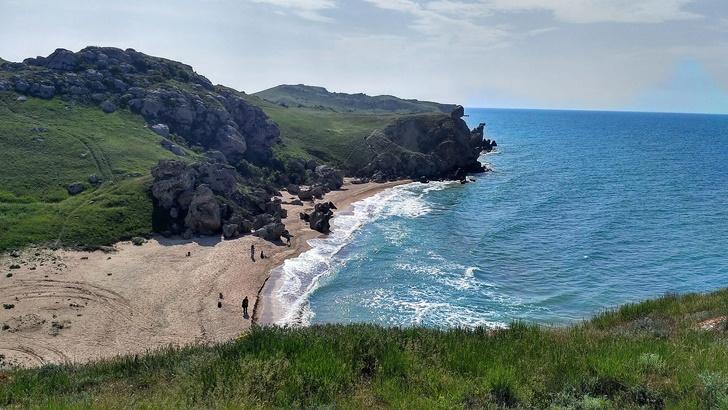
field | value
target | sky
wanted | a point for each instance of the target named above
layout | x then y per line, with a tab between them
642	55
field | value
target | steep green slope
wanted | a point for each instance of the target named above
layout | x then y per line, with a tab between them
331	137
298	96
49	144
657	354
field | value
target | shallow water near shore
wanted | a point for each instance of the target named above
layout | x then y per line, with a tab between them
583	211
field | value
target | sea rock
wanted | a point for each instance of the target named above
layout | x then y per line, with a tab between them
75	188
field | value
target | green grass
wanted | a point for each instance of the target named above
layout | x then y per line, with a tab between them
331	137
320	98
648	355
36	167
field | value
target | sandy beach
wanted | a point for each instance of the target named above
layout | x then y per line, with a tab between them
69	306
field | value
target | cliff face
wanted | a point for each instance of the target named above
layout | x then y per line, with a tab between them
162	91
430	146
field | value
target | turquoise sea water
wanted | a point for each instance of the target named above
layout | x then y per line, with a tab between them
583	211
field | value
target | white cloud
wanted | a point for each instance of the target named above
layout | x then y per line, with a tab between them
570	11
601	11
307	9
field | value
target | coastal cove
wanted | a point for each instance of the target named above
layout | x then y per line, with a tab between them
582	212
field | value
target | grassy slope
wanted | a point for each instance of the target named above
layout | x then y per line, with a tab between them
36	167
335	138
317	97
650	354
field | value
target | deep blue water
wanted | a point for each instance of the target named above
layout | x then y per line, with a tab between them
583	211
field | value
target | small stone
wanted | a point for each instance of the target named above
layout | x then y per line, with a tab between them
8	306
8	275
15	266
138	241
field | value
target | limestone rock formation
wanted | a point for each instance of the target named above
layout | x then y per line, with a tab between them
203	215
162	91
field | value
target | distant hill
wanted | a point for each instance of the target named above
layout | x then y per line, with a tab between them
320	98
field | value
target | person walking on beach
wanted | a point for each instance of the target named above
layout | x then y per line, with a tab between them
245	307
252	252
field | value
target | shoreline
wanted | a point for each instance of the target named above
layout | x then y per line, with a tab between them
74	307
265	306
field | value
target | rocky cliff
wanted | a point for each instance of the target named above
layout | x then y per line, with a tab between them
426	146
168	94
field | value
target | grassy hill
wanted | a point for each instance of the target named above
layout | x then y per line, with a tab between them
336	138
49	144
656	354
300	96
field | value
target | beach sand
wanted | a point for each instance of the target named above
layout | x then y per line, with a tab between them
71	306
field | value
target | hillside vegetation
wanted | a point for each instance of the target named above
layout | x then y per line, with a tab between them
49	144
335	138
298	96
665	353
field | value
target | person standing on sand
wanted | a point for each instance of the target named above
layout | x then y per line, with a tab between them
252	252
245	307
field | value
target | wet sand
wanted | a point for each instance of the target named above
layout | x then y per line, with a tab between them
71	306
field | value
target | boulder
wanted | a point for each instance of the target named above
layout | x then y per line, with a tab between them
108	106
379	177
93	179
138	241
160	129
62	59
306	195
359	181
293	189
203	216
320	217
230	231
75	188
271	232
329	177
172	179
42	91
318	191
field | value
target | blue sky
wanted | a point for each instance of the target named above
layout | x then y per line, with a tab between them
648	55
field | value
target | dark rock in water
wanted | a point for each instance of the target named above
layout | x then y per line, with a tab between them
75	188
108	106
423	179
230	231
458	112
271	232
203	215
160	129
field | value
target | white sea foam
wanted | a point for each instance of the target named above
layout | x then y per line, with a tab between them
293	282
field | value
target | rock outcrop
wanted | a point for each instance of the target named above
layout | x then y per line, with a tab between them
208	198
170	96
319	219
426	146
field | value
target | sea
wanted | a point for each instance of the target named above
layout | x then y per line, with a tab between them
581	212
